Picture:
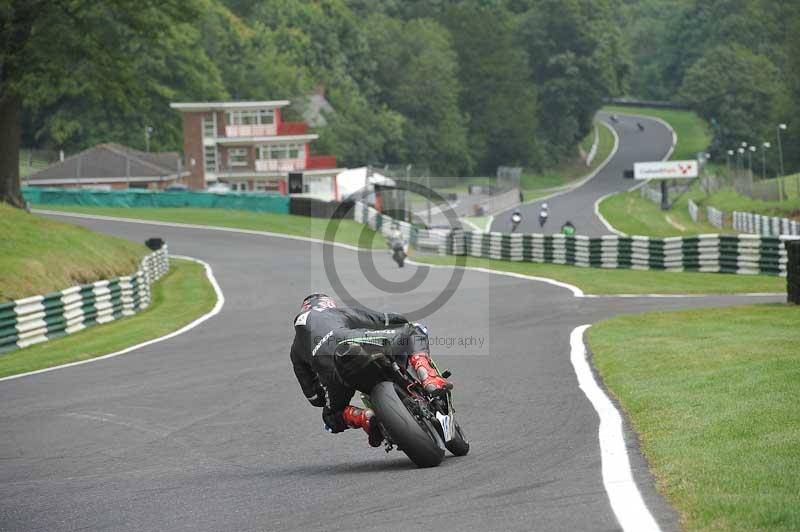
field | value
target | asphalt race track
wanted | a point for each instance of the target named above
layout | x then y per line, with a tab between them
577	205
209	430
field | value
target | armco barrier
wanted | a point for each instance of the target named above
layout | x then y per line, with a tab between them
748	222
715	217
149	198
694	211
433	240
37	319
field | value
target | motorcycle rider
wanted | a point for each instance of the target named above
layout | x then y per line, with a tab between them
516	218
568	229
543	215
396	242
324	330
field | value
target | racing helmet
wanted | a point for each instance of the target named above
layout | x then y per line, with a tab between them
317	300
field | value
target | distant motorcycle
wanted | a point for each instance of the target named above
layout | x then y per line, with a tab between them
640	126
396	244
516	218
543	214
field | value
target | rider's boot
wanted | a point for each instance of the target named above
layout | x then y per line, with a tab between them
360	418
431	380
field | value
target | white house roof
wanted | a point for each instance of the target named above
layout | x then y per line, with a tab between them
223	106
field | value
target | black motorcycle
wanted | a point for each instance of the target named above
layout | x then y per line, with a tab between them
399	255
411	420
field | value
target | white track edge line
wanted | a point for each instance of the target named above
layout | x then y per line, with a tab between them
623	494
198	226
577	292
210	314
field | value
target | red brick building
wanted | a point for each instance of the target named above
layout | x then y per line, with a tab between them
249	147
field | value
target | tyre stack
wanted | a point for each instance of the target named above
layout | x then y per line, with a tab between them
793	271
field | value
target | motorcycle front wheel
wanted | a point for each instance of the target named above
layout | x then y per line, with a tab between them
417	438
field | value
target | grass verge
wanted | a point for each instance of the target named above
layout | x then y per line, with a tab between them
569	170
181	296
602	281
727	199
713	395
630	213
348	232
693	132
38	255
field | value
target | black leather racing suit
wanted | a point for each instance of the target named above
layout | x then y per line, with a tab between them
320	330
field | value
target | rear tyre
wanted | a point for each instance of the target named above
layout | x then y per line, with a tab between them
418	439
458	446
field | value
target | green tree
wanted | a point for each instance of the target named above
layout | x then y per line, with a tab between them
497	97
737	88
52	49
577	57
417	76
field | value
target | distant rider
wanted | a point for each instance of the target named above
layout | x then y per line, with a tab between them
568	229
322	328
395	239
543	215
516	218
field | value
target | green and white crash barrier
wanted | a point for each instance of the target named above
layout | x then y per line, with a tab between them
740	254
40	318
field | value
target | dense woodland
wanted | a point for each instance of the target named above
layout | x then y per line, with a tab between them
459	85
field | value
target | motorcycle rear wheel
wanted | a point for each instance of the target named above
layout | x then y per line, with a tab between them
418	439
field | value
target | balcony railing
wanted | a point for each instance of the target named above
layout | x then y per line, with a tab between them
263	130
292	128
279	165
321	162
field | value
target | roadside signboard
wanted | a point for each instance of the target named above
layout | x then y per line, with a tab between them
665	170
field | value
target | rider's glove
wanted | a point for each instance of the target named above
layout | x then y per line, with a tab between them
318	399
334	421
421	328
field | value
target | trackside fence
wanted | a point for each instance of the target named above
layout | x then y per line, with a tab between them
748	222
40	318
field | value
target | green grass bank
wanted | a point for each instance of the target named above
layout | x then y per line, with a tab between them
178	298
713	395
38	255
348	231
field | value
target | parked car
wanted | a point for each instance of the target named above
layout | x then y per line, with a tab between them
177	187
219	188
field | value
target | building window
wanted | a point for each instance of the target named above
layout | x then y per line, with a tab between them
237	157
239	187
209	126
211	158
251	117
281	151
260	186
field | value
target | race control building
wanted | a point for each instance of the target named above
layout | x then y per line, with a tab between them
249	147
